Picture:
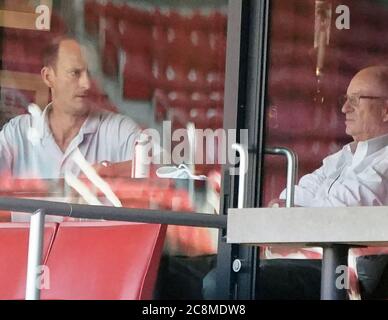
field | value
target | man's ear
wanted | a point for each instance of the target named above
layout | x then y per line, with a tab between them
47	74
384	112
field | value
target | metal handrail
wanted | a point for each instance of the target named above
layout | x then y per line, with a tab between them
243	169
113	213
292	168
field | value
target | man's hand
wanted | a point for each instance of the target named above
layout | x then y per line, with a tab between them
114	170
277	203
118	169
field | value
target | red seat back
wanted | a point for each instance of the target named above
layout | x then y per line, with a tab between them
13	257
104	260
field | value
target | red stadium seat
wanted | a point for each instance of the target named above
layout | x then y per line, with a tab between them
158	74
136	37
20	51
176	20
13	257
161	104
159	18
200	100
100	99
216	100
92	16
179	118
200	49
159	44
179	100
215	118
110	61
175	78
218	21
215	81
217	58
111	14
198	21
197	80
17	56
179	47
136	15
137	77
104	260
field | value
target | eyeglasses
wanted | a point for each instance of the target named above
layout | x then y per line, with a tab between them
354	100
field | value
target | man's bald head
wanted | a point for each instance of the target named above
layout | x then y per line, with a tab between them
366	106
376	76
66	73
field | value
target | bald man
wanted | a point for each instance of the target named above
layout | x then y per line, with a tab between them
357	175
42	144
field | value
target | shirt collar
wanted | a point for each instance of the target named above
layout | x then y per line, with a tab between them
375	144
44	124
89	126
91	123
367	147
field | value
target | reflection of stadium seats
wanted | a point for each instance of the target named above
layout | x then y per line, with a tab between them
110	61
196	80
179	100
137	77
13	257
313	130
199	50
181	51
218	51
104	260
100	99
111	14
218	21
200	101
215	81
22	49
92	11
175	78
161	104
323	123
198	21
135	38
20	52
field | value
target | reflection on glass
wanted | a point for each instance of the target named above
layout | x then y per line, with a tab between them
136	85
160	64
299	38
320	51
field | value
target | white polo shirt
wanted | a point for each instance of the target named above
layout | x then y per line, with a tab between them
347	178
28	148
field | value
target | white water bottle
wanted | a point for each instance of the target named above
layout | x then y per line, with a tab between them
141	160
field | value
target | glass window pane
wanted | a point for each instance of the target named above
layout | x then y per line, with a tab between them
316	48
160	64
131	100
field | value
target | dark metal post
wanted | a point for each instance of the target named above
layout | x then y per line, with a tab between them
334	280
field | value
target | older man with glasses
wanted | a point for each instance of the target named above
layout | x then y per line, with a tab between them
357	175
